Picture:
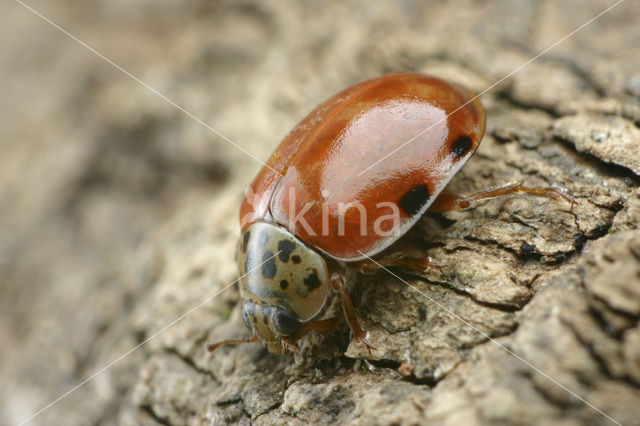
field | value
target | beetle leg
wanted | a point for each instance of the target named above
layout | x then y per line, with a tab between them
289	345
350	314
324	326
400	261
412	264
448	201
369	266
215	346
352	320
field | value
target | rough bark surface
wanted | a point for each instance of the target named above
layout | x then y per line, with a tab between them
119	215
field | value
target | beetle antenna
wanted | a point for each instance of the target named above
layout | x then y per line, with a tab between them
215	346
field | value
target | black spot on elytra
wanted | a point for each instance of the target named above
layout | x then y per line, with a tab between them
461	146
312	281
286	247
268	265
413	201
284	284
245	240
263	238
296	259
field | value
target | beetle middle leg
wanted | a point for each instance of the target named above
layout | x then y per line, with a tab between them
448	201
398	260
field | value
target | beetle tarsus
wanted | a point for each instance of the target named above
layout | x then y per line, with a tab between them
448	201
423	265
361	337
290	345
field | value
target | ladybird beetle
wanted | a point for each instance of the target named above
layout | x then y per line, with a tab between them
318	211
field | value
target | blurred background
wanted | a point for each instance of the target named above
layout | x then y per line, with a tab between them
93	165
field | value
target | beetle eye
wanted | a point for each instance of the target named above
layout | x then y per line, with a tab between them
286	323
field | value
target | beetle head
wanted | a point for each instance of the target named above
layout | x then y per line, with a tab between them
283	283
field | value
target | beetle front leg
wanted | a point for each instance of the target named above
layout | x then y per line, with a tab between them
448	201
212	347
337	282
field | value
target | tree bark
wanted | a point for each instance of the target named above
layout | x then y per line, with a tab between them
119	219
